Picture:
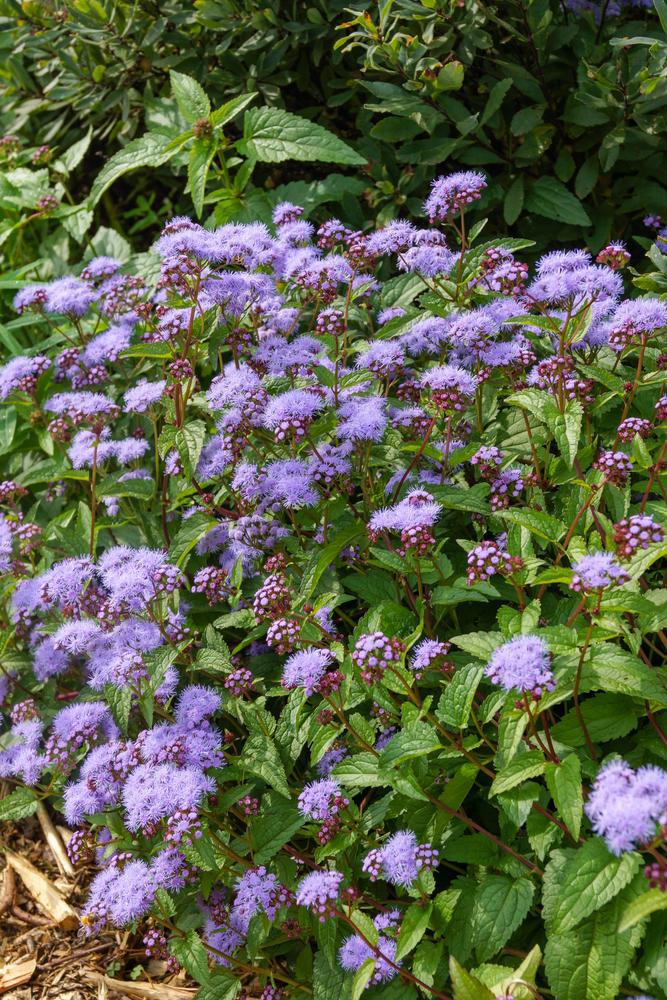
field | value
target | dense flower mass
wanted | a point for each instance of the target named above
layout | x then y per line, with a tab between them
329	575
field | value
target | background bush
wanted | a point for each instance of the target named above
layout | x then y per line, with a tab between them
563	107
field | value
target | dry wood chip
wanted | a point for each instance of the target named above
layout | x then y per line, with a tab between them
13	975
44	892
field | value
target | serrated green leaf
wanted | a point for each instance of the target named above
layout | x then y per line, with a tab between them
457	698
526	765
192	955
273	135
190	97
566	429
19	804
501	906
537	522
564	783
413	927
201	157
150	150
577	883
642	907
466	986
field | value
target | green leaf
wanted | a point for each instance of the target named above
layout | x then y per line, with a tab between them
456	700
526	765
413	927
219	987
501	906
201	157
479	644
564	783
415	740
190	97
466	986
642	907
495	99
191	953
362	978
189	440
606	716
111	486
591	960
277	823
551	199
329	980
189	533
230	109
538	523
320	559
577	883
661	10
567	429
150	150
514	199
273	135
22	802
361	771
261	757
73	156
613	670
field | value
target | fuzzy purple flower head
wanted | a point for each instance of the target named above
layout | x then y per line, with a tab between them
453	194
522	664
626	807
597	571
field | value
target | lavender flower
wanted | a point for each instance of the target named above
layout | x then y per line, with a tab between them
321	800
306	669
143	395
319	892
400	860
596	571
626	807
522	664
453	193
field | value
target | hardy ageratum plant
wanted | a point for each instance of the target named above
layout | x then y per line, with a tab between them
349	583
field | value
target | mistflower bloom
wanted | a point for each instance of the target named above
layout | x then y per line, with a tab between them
307	669
290	414
489	459
319	892
213	582
428	653
522	664
329	760
487	558
21	374
119	895
597	571
634	425
375	652
453	194
321	800
143	395
400	859
505	487
634	319
391	312
636	532
451	388
627	807
661	409
69	296
155	792
363	419
384	358
286	212
239	682
354	952
273	598
614	255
